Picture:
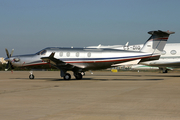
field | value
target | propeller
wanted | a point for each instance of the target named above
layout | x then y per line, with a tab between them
9	64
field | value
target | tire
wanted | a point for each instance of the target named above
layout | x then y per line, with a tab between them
165	71
78	76
31	76
67	76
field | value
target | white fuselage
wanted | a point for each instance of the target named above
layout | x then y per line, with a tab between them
170	56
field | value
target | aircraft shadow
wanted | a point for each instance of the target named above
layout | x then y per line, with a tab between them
162	75
68	80
99	79
144	75
54	79
120	75
128	79
137	79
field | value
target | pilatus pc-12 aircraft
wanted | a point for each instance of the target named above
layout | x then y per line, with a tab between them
80	60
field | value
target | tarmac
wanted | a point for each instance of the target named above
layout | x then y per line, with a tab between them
102	95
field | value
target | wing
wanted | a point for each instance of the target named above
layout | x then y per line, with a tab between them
58	63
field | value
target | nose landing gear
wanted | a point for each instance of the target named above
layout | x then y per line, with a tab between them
31	76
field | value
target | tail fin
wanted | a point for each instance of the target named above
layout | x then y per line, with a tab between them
155	44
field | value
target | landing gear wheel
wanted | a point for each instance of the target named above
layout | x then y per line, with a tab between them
165	71
78	76
67	76
31	76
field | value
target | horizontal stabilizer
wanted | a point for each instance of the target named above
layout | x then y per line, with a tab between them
160	33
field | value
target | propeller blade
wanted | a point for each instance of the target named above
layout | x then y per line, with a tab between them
7	53
11	52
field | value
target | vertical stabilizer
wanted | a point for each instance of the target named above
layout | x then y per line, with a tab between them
155	44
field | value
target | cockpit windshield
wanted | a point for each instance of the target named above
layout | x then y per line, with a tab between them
42	52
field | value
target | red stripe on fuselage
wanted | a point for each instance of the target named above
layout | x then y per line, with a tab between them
95	61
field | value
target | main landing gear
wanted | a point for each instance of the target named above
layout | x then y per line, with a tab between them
164	70
78	76
67	76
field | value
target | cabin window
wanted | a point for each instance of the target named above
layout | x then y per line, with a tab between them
61	54
163	52
77	54
68	54
89	54
173	52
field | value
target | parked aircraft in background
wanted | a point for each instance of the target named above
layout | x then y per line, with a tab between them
80	60
142	67
120	47
170	57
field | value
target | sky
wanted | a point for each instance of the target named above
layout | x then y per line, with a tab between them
27	26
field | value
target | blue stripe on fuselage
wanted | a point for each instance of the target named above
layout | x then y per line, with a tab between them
94	59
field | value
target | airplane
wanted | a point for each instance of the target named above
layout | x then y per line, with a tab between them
80	60
120	47
170	57
124	47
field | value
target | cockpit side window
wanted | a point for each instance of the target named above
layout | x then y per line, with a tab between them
42	52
